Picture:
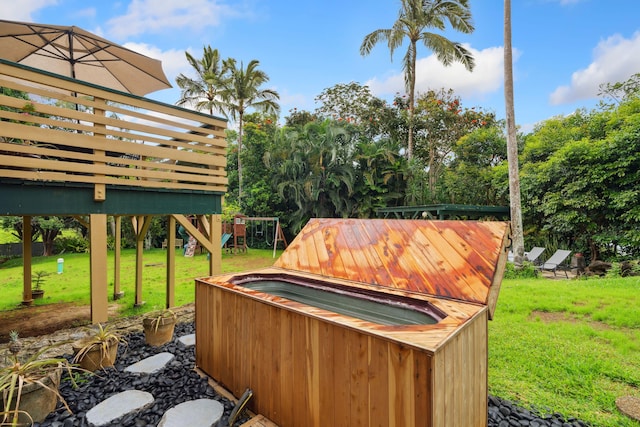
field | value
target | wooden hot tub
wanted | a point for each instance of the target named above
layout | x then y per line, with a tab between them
360	322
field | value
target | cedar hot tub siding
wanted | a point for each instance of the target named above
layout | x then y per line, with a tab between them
309	366
312	367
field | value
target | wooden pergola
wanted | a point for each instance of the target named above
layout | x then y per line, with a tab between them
110	154
444	211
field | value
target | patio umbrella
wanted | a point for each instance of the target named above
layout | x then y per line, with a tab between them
76	53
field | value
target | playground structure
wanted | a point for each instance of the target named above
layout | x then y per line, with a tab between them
236	236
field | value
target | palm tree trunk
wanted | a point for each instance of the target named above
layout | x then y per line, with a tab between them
432	172
240	114
512	143
412	90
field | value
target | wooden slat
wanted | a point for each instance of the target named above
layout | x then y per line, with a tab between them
41	140
288	387
340	406
359	374
378	374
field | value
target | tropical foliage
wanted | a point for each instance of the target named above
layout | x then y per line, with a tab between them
203	91
579	174
415	18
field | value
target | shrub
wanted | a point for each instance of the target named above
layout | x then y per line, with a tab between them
527	271
624	269
71	244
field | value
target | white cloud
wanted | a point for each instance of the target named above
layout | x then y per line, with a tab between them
614	59
89	12
486	77
173	61
162	16
22	12
292	100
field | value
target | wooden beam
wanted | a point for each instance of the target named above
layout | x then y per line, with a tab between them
98	267
141	226
100	190
215	239
171	261
117	294
27	298
193	231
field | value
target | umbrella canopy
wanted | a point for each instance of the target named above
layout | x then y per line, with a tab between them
76	53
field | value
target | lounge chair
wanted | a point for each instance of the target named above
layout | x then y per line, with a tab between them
556	261
533	255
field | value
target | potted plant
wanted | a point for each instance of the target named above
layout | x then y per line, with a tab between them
37	292
29	388
158	326
99	349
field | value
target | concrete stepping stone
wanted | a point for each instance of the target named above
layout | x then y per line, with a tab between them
117	406
630	406
200	412
188	340
150	364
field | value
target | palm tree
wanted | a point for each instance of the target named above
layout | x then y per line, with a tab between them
241	90
512	143
203	91
415	16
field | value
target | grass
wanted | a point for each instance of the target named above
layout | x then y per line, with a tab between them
567	346
7	237
73	284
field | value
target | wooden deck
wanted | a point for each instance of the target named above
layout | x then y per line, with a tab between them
70	148
73	132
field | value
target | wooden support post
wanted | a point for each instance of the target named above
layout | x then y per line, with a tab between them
27	298
117	294
171	261
141	226
98	267
215	238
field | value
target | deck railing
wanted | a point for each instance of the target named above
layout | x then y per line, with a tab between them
70	131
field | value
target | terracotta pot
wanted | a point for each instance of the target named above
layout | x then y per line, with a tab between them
158	333
94	359
36	400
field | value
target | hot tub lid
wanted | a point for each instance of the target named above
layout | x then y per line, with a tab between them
461	260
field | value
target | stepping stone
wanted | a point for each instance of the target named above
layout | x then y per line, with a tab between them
150	364
188	340
117	406
200	412
630	406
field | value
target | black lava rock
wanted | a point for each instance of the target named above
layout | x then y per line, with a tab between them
178	383
503	413
175	384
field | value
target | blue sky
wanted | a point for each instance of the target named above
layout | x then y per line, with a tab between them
563	49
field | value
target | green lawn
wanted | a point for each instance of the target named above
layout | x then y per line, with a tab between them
73	284
572	346
568	346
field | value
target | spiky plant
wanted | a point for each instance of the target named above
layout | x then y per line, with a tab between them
15	376
14	343
101	338
160	317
